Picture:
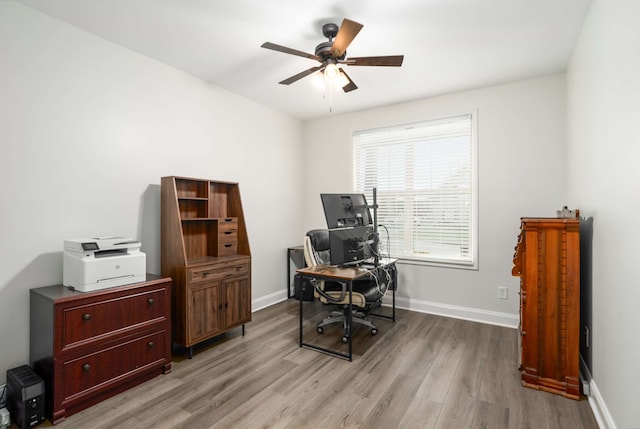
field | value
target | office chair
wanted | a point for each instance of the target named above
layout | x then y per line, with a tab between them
366	293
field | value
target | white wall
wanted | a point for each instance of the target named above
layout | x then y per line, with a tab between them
87	129
604	148
521	173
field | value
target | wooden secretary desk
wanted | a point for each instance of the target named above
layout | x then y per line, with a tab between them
547	260
205	250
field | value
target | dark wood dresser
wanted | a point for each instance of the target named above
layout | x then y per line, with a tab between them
90	346
547	260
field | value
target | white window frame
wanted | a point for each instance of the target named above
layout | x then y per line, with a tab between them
403	247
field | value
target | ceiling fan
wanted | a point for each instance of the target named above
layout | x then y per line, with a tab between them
333	52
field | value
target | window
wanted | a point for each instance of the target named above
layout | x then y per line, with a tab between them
425	175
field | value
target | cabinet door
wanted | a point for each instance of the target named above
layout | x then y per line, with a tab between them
203	315
237	304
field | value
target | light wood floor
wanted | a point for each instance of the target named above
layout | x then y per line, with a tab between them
422	371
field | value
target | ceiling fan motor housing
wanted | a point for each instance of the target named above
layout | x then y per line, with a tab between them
323	50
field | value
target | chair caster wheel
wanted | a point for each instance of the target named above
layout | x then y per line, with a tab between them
345	339
319	330
374	331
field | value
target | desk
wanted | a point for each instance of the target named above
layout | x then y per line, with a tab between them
346	275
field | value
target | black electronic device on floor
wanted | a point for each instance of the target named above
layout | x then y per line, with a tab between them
25	397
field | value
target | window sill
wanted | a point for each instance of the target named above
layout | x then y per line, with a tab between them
439	264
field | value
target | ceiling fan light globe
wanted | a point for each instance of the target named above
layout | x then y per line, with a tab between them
318	81
331	72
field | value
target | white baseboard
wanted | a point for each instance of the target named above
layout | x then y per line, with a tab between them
466	313
599	408
268	300
455	311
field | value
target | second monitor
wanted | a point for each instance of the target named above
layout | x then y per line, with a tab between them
345	210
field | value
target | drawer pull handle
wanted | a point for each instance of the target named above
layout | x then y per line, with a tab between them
205	274
151	344
150	301
86	367
86	316
228	220
523	333
228	245
228	232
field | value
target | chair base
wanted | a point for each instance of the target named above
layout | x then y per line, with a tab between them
339	317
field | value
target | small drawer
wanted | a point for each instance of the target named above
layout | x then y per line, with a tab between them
110	365
228	249
227	236
217	271
90	322
228	224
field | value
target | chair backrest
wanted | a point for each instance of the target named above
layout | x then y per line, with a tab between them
316	247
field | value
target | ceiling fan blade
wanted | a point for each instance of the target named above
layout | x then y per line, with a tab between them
388	61
347	32
301	75
351	85
279	48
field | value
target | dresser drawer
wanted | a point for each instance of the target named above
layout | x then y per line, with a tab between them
113	315
113	365
217	271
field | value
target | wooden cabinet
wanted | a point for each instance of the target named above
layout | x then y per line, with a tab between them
205	249
90	346
547	260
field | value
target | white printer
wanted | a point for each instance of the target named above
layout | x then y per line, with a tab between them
97	263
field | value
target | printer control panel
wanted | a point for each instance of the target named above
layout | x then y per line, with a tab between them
90	246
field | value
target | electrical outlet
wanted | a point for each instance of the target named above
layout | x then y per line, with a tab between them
503	293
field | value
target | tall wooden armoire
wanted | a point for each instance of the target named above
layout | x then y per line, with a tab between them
547	260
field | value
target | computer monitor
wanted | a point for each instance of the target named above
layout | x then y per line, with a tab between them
346	210
350	246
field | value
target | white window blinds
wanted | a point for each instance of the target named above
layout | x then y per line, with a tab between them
426	187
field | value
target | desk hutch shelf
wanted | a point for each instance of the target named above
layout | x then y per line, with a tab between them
205	250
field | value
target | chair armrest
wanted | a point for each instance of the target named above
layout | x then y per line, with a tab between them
320	291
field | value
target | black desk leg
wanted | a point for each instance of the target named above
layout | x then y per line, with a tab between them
301	301
394	303
288	274
350	321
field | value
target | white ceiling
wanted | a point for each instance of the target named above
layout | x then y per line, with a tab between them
449	45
